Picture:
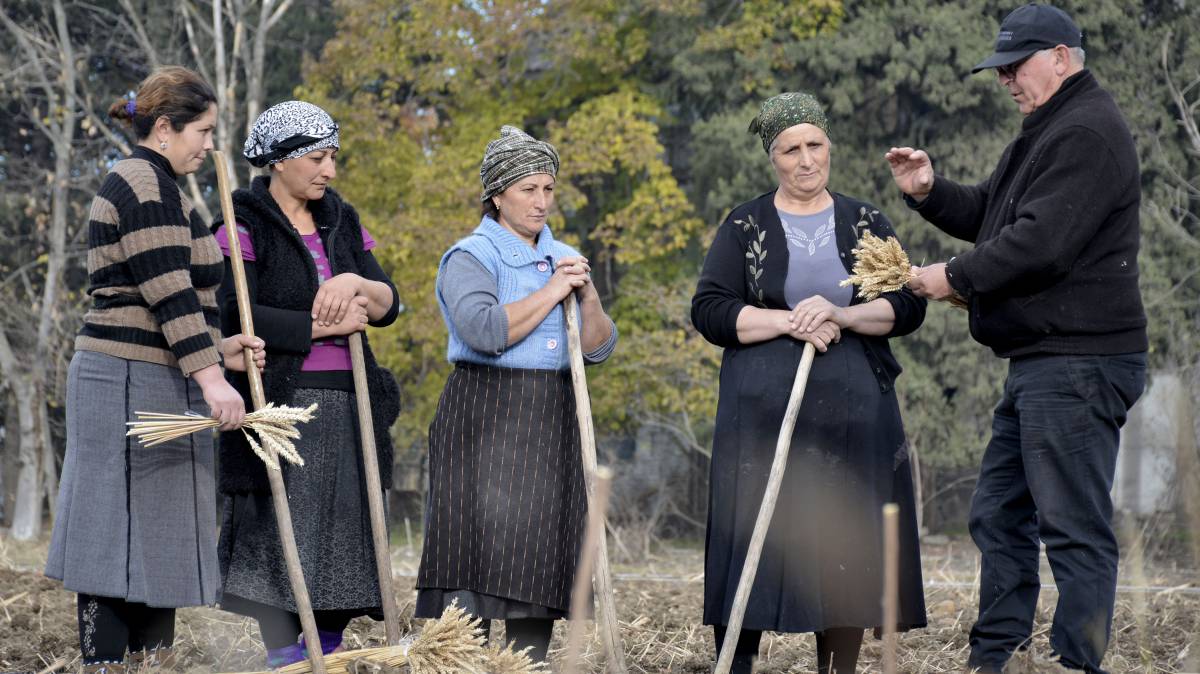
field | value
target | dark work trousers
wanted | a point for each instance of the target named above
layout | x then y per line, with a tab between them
107	626
1047	473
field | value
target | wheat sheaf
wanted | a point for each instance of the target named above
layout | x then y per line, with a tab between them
274	426
881	266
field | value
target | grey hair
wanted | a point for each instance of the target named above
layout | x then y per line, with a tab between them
1078	55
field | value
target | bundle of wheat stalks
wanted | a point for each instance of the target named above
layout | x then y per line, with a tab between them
276	426
452	643
882	266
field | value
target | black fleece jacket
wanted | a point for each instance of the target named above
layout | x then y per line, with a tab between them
1056	232
282	284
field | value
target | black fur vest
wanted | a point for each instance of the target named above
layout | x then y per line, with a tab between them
287	279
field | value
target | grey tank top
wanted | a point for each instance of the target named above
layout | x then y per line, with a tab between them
814	267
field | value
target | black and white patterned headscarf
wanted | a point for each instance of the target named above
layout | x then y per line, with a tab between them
288	130
512	156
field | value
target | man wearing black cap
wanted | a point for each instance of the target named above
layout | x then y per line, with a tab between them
1052	285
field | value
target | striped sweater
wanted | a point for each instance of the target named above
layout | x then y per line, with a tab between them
153	270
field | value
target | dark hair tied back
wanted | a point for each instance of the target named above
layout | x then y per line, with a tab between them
173	92
489	209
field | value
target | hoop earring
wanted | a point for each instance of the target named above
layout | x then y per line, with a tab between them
162	145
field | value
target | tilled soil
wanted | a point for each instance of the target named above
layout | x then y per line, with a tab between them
659	606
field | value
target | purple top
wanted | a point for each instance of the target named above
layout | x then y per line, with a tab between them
331	353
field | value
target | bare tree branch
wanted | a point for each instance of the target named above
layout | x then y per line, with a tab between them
139	29
186	9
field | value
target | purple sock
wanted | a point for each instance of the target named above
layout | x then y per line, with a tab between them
329	641
282	657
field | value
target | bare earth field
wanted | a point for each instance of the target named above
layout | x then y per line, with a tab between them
1157	625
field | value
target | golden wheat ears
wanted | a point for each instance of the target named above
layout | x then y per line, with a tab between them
882	266
451	644
275	426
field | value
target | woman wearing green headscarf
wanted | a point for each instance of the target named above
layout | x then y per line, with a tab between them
771	282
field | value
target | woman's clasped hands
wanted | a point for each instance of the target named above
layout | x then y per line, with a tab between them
339	307
571	273
816	320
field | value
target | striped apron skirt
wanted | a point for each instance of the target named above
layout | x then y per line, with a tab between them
506	502
136	523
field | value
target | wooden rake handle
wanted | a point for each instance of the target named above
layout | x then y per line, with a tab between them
778	465
583	572
610	634
283	514
383	555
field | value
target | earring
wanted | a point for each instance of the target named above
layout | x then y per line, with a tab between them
162	145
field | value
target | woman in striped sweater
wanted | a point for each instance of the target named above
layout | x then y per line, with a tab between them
135	534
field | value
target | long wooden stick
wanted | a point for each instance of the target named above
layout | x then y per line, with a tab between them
774	481
366	429
283	513
891	583
587	561
610	634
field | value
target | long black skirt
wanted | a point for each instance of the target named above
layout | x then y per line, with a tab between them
330	519
821	565
506	506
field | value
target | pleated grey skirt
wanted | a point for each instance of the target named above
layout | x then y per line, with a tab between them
136	523
330	518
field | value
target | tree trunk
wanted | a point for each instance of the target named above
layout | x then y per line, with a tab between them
27	511
49	457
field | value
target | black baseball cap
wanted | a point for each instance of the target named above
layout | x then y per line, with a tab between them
1029	29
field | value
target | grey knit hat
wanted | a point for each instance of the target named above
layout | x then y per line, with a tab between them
512	156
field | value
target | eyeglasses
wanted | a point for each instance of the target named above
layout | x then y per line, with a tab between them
1009	72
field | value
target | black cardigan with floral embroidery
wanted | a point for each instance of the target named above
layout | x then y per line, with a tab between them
747	265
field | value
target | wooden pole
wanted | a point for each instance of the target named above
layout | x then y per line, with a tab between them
366	429
283	514
770	495
583	573
891	583
610	634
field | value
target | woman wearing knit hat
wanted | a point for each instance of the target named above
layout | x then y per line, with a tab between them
506	504
313	282
770	283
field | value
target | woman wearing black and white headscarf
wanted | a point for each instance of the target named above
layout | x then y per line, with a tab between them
313	281
506	497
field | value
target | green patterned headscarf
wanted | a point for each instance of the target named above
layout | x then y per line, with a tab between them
512	156
784	111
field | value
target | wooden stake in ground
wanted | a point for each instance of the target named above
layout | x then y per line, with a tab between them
774	481
891	583
366	429
283	514
610	634
587	559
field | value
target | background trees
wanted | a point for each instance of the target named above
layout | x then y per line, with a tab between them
648	102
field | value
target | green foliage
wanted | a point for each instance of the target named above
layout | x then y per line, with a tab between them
648	102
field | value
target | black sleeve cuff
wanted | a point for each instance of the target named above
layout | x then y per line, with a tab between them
956	275
283	329
909	310
392	312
